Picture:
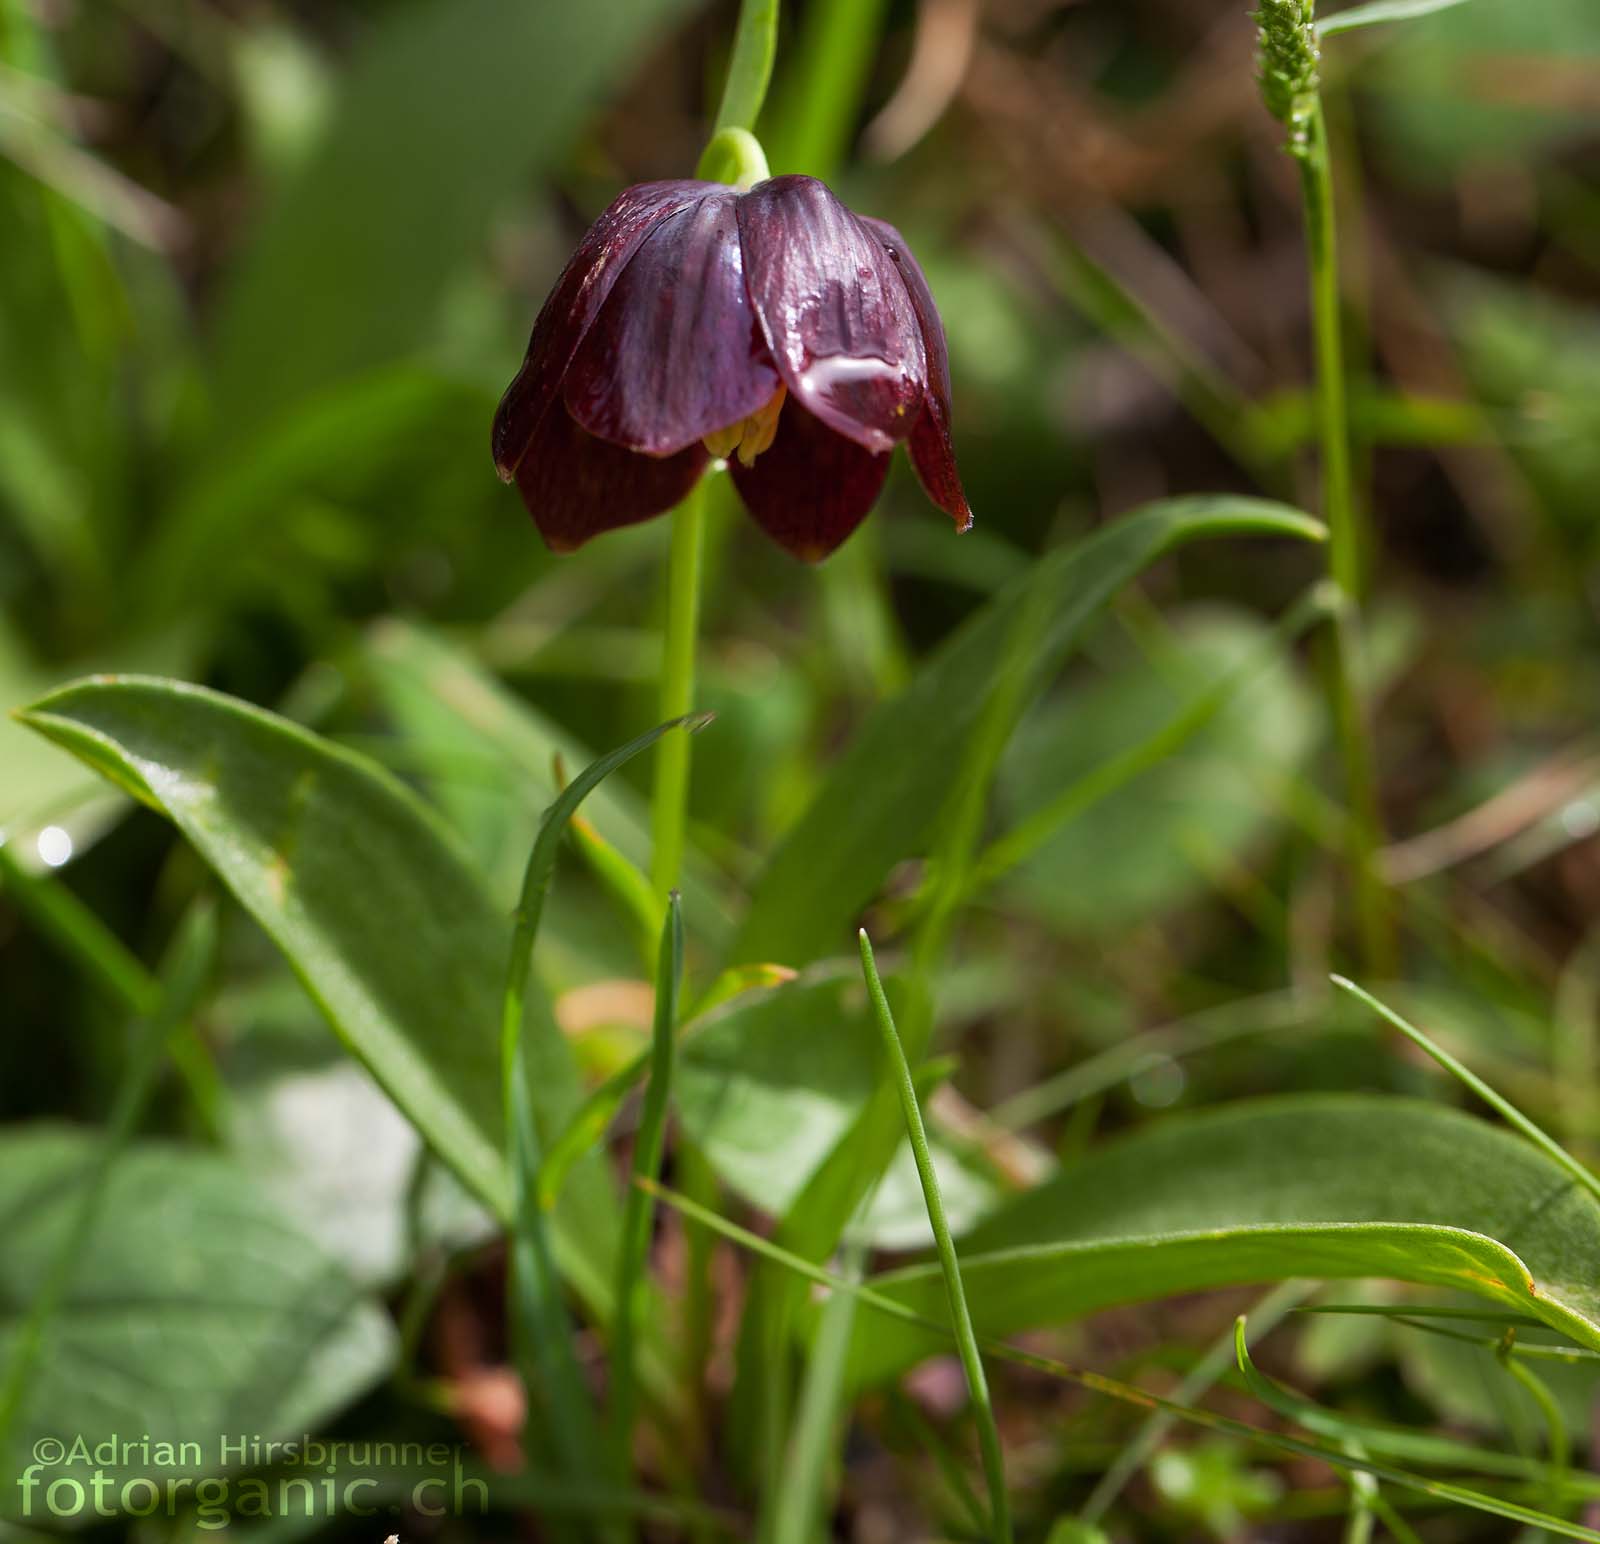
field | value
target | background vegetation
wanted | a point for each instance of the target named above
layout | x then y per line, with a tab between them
264	270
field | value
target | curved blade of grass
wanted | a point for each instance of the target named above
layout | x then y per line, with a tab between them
949	1264
648	1147
885	794
1115	1388
1501	1106
1376	12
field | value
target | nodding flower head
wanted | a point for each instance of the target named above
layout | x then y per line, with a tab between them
773	328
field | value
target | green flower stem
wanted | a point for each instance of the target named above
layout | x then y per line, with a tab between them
960	1316
669	810
755	46
1346	686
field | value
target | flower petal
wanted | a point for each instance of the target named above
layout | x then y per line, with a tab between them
932	453
834	311
813	487
601	259
675	352
576	486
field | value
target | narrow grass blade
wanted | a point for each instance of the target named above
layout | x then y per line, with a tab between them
587	1127
183	978
1115	1388
1020	843
541	1329
816	1417
1501	1106
625	882
638	1213
960	1315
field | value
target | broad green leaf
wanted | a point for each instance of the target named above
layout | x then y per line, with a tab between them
885	792
768	1085
1321	1186
488	758
1152	844
39	785
1375	12
347	872
351	262
181	1331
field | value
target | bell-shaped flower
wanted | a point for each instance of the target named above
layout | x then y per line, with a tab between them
773	328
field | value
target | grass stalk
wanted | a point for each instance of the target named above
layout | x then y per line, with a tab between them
960	1314
1503	1107
1290	87
639	1212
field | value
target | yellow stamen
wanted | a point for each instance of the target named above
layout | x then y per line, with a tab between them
750	436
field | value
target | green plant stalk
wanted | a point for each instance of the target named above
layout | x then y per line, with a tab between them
669	809
639	1211
1350	712
960	1316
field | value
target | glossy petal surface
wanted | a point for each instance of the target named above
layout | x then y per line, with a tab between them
577	486
834	310
601	259
675	352
932	454
813	487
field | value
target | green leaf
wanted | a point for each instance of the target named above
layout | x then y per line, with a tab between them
488	760
1378	11
184	1333
1326	1186
885	792
350	876
1153	843
769	1084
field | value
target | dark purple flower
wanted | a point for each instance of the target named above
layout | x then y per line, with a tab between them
773	327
